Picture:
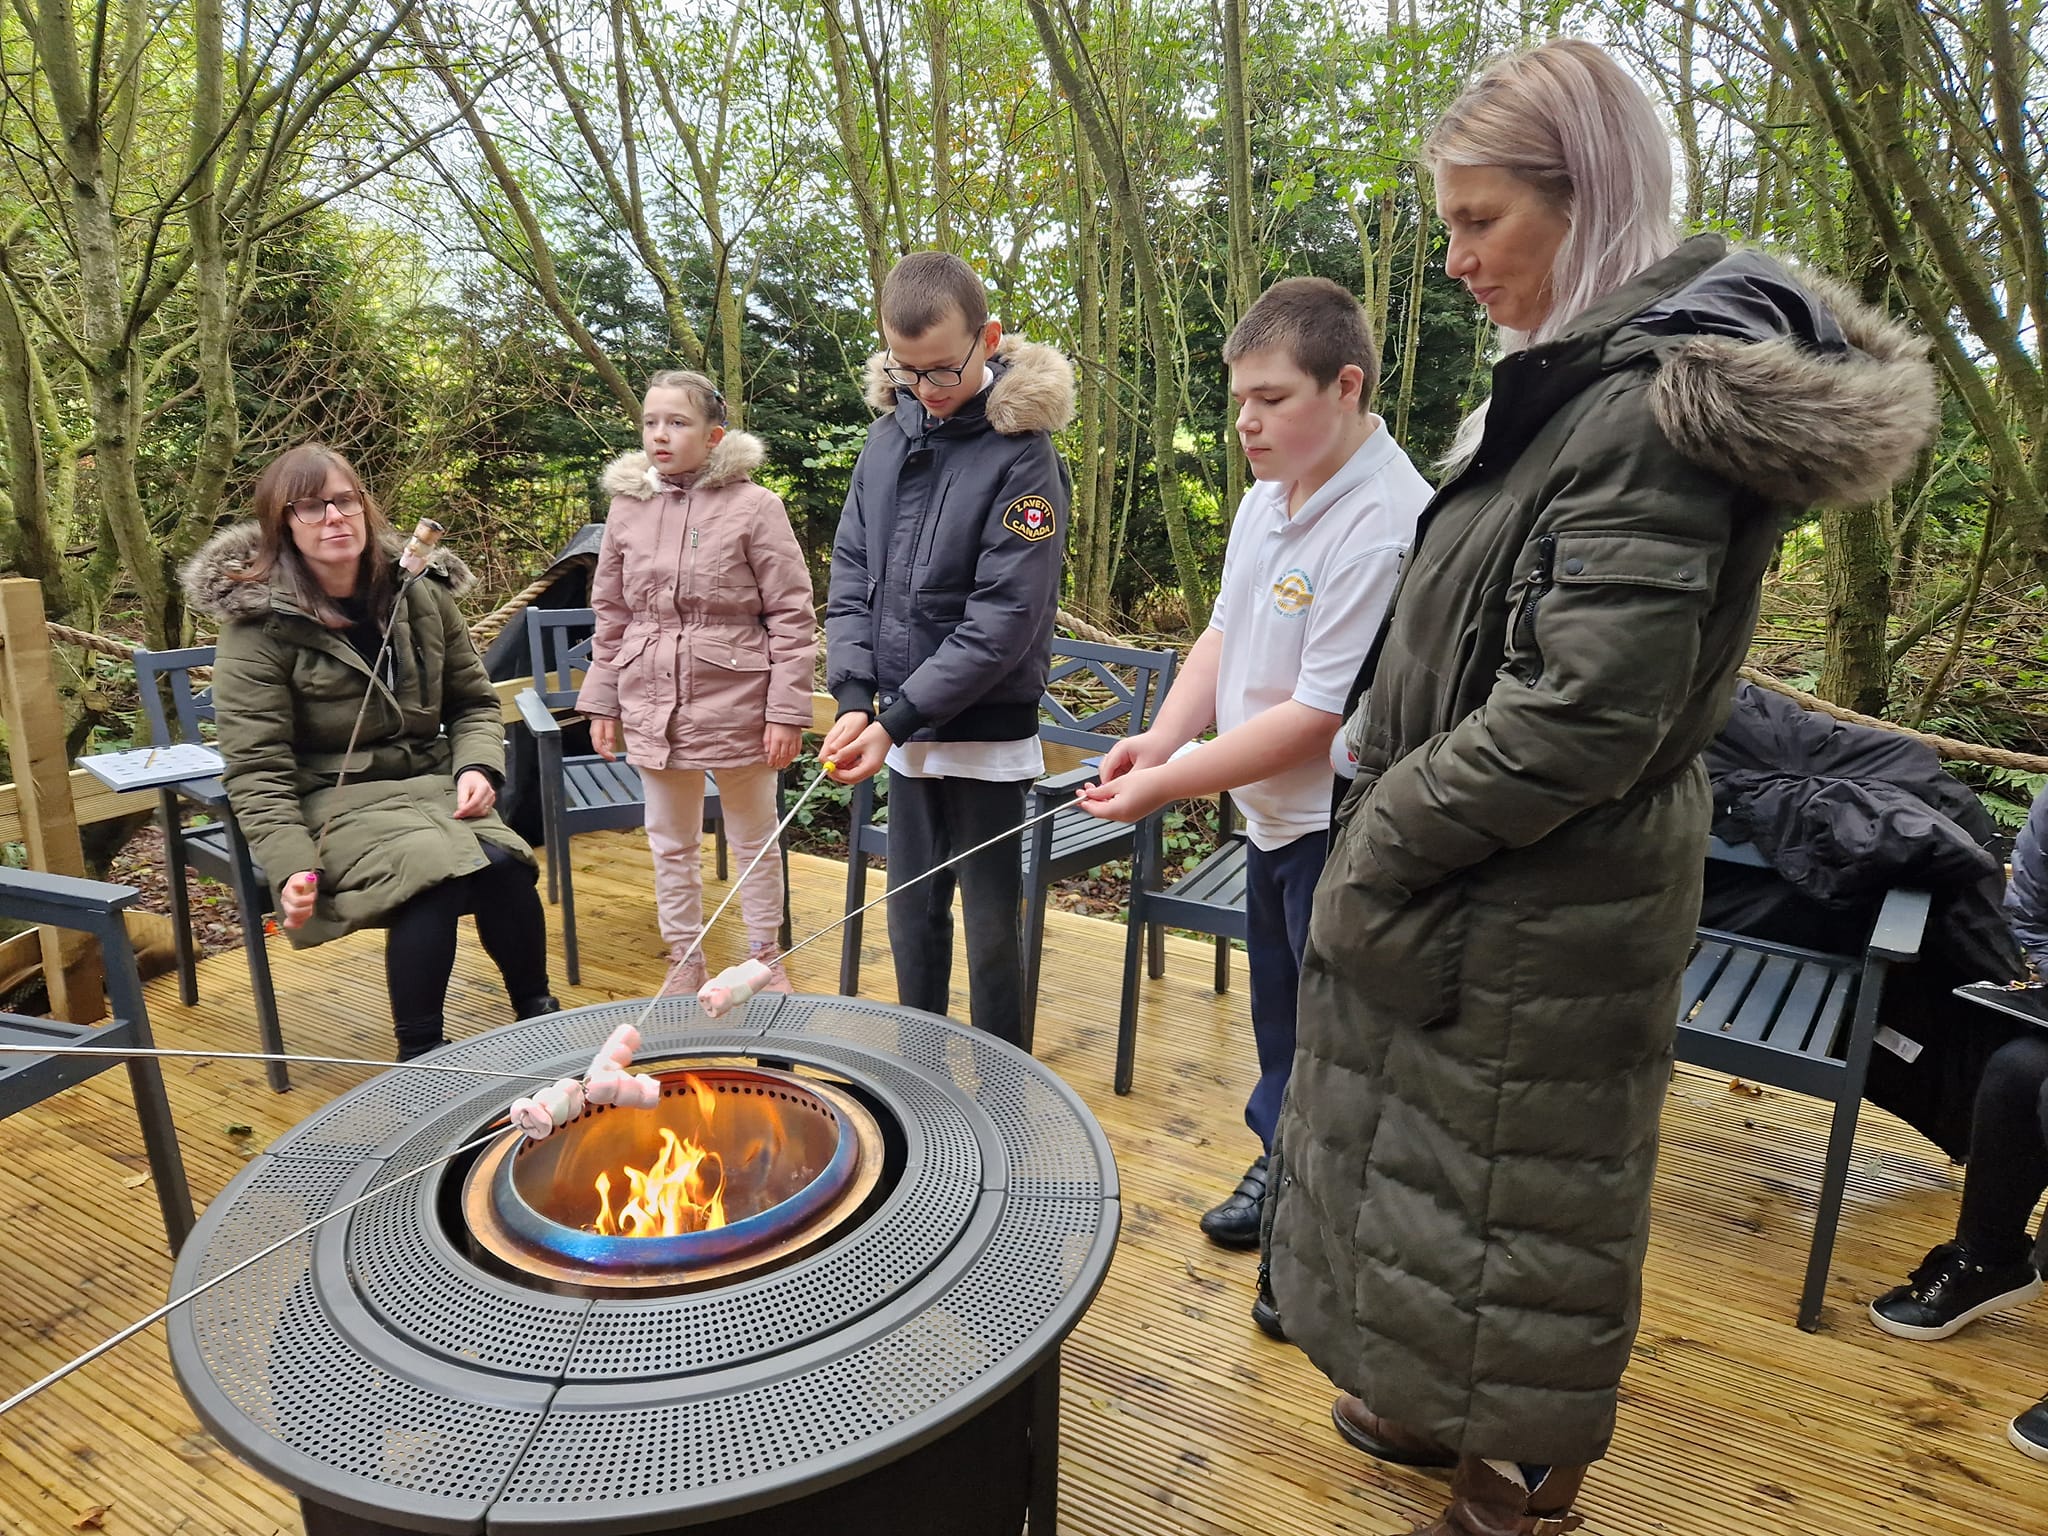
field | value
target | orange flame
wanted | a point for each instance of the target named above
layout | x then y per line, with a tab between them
683	1192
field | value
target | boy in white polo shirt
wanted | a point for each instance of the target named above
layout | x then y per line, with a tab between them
1311	564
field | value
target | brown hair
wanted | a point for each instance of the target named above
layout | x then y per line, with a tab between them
1319	324
704	395
302	472
925	286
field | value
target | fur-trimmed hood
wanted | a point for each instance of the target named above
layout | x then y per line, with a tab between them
1033	391
1788	384
733	458
212	587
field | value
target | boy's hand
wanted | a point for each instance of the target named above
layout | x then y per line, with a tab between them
862	758
1143	750
780	744
1132	797
604	737
844	730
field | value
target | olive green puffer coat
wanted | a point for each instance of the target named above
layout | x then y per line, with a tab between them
1489	994
286	690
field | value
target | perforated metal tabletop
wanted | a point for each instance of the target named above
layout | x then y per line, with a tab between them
373	1367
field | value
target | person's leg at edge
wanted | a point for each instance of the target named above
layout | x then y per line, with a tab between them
748	795
675	836
921	915
419	957
1279	887
992	899
504	899
1987	1268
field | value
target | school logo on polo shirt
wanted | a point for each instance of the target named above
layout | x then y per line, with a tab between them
1293	593
1031	518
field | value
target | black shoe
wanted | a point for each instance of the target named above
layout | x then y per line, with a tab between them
1265	1310
2029	1432
1235	1223
1949	1291
534	1007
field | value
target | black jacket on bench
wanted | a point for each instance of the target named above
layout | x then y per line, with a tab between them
1844	813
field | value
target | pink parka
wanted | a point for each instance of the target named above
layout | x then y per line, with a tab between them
705	629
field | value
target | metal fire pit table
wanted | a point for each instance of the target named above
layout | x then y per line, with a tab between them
902	1377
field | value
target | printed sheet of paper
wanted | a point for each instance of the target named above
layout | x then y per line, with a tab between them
148	767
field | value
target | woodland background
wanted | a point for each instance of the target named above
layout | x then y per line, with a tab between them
451	239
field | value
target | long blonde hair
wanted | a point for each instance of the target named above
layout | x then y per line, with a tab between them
1569	121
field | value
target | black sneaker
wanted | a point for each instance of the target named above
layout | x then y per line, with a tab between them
1949	1291
2029	1432
1235	1223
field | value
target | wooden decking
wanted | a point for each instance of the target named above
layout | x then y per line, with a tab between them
1179	1417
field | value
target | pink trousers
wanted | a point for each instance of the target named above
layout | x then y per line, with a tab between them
675	832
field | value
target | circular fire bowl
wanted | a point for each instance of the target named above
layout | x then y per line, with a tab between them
915	1215
793	1160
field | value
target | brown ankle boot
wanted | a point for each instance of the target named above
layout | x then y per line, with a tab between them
1488	1502
1386	1440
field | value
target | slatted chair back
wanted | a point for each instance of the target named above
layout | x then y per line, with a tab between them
1097	694
558	652
160	673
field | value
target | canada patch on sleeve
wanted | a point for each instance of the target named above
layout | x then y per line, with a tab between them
1031	518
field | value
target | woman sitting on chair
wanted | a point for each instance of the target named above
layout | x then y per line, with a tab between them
397	831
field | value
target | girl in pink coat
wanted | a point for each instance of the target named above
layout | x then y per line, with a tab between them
703	655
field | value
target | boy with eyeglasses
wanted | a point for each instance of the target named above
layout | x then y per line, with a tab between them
939	618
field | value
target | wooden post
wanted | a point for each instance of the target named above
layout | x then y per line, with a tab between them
42	780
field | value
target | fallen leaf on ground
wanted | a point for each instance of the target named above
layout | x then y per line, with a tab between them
136	1182
94	1519
1747	1090
241	1130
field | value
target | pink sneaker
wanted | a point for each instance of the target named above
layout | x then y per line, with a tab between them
687	979
778	978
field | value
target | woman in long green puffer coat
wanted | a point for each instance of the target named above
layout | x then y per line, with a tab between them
1489	995
400	832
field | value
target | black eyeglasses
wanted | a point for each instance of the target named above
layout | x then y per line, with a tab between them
314	508
939	378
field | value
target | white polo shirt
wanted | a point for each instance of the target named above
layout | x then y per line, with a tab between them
1302	599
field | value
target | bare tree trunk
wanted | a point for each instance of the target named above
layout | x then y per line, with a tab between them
936	20
220	432
33	548
1063	43
867	206
1234	22
1411	323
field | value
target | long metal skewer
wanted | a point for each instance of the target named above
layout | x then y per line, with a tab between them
204	1286
319	1061
904	885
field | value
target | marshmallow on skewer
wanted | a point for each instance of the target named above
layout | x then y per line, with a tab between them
419	549
731	987
555	1105
608	1081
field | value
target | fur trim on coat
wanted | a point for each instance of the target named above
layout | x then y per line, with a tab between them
212	584
1033	391
735	456
1802	427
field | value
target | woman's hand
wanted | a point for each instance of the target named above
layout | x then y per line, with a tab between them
780	744
604	737
474	795
295	901
845	731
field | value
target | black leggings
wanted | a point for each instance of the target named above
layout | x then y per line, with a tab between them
419	950
2008	1152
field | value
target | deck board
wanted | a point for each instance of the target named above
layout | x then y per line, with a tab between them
1179	1416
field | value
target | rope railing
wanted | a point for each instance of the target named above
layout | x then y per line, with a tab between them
1944	746
488	628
